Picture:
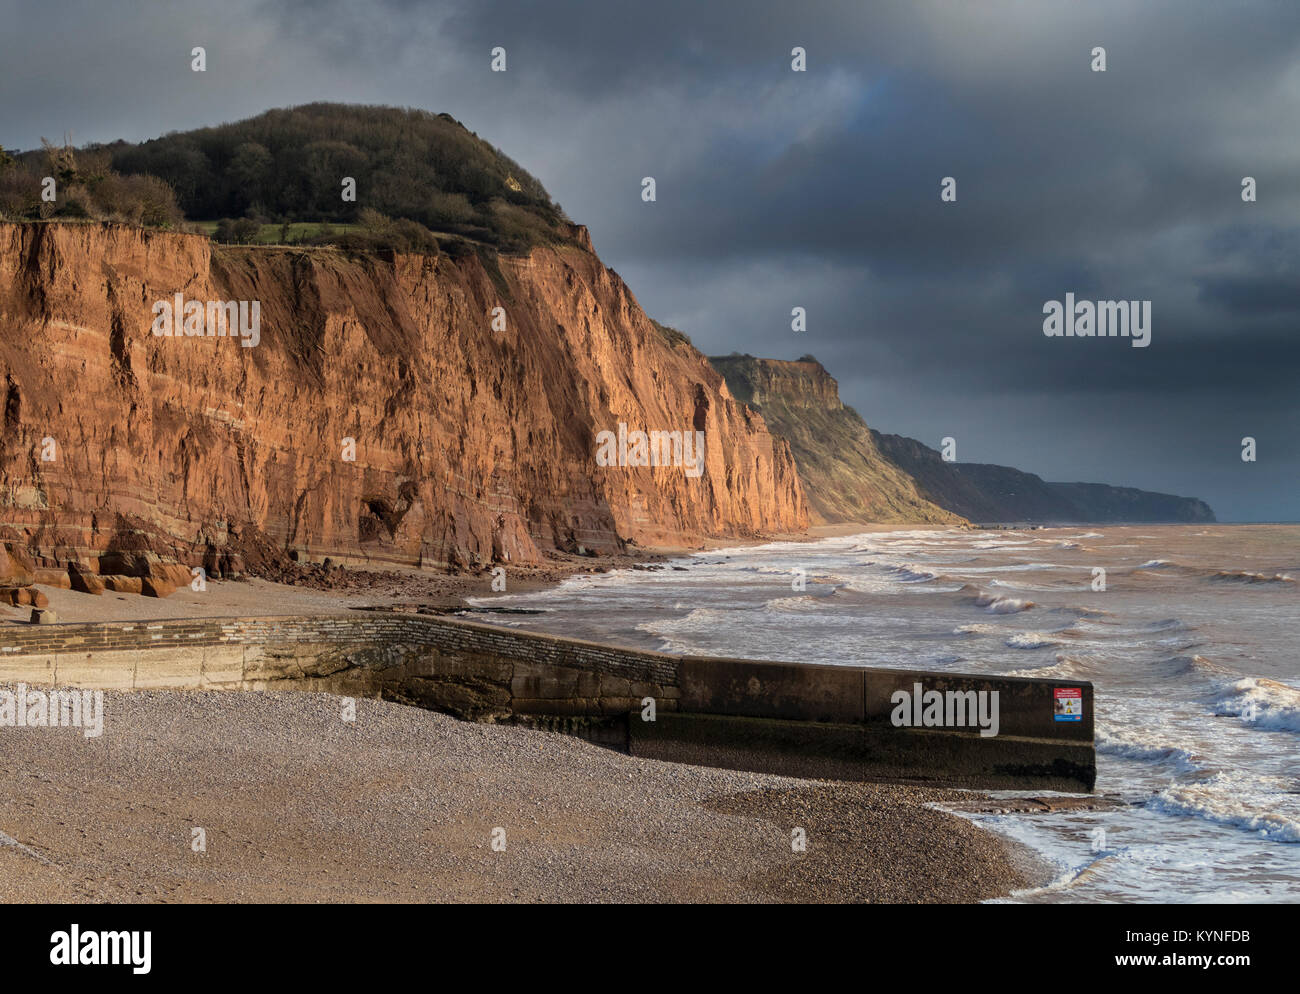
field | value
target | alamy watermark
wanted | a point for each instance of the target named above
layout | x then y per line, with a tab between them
68	708
98	947
656	448
921	708
1099	319
179	317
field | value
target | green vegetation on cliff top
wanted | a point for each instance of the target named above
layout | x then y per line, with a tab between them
416	173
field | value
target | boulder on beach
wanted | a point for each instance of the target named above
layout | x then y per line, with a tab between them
174	573
155	587
23	597
122	584
84	580
52	577
139	566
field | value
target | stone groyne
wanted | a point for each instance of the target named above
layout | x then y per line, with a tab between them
793	718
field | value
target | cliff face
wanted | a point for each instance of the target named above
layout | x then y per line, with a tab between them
846	476
988	493
471	444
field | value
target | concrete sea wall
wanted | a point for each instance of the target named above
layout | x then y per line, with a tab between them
797	719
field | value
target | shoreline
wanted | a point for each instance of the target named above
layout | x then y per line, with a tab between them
314	589
877	826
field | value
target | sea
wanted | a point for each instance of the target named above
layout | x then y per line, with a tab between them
1190	635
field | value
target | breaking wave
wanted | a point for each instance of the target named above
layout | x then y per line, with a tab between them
1147	747
1004	605
994	603
1242	576
1193	665
1262	703
1226	799
803	603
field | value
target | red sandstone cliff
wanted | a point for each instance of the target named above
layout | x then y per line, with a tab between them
472	445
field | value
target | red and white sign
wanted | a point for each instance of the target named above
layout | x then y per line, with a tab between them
1069	703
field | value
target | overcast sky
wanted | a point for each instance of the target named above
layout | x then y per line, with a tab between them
821	189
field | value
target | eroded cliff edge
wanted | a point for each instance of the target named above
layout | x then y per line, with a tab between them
471	445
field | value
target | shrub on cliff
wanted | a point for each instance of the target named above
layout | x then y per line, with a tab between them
670	335
408	165
241	231
376	231
85	187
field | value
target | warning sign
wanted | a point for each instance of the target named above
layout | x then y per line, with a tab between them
1069	703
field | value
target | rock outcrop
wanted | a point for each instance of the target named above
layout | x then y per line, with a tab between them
844	473
380	417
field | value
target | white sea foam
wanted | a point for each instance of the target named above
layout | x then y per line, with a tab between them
1072	665
1031	640
1145	745
1236	799
977	629
1015	568
997	604
1264	704
1008	605
1244	576
802	603
873	585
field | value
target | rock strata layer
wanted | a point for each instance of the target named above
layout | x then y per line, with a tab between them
380	418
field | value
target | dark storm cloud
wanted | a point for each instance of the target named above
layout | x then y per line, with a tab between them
821	189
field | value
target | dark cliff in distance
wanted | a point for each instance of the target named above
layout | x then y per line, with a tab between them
987	493
853	473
